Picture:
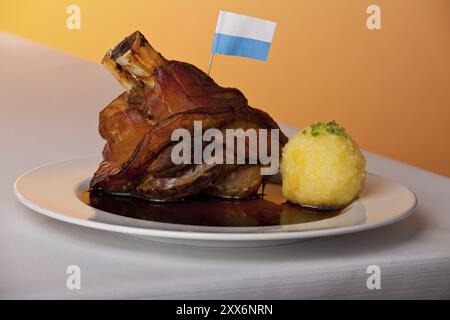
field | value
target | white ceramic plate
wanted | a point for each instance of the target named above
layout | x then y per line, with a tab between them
54	190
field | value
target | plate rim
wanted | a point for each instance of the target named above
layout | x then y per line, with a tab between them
204	236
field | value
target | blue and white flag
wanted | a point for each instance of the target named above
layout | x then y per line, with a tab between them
239	35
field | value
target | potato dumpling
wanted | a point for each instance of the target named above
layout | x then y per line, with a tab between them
322	167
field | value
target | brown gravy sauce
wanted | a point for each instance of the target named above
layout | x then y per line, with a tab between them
269	209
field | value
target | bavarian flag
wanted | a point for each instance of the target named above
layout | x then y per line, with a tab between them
244	36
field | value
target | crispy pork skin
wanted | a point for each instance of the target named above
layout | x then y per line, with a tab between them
162	96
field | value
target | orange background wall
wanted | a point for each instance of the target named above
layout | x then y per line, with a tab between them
390	88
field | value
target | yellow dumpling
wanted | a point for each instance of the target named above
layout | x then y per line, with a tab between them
322	166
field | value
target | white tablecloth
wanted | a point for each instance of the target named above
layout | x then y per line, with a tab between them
49	112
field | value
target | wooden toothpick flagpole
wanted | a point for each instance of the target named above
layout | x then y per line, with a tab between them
211	58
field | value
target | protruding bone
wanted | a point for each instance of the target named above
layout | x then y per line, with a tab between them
125	78
133	60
